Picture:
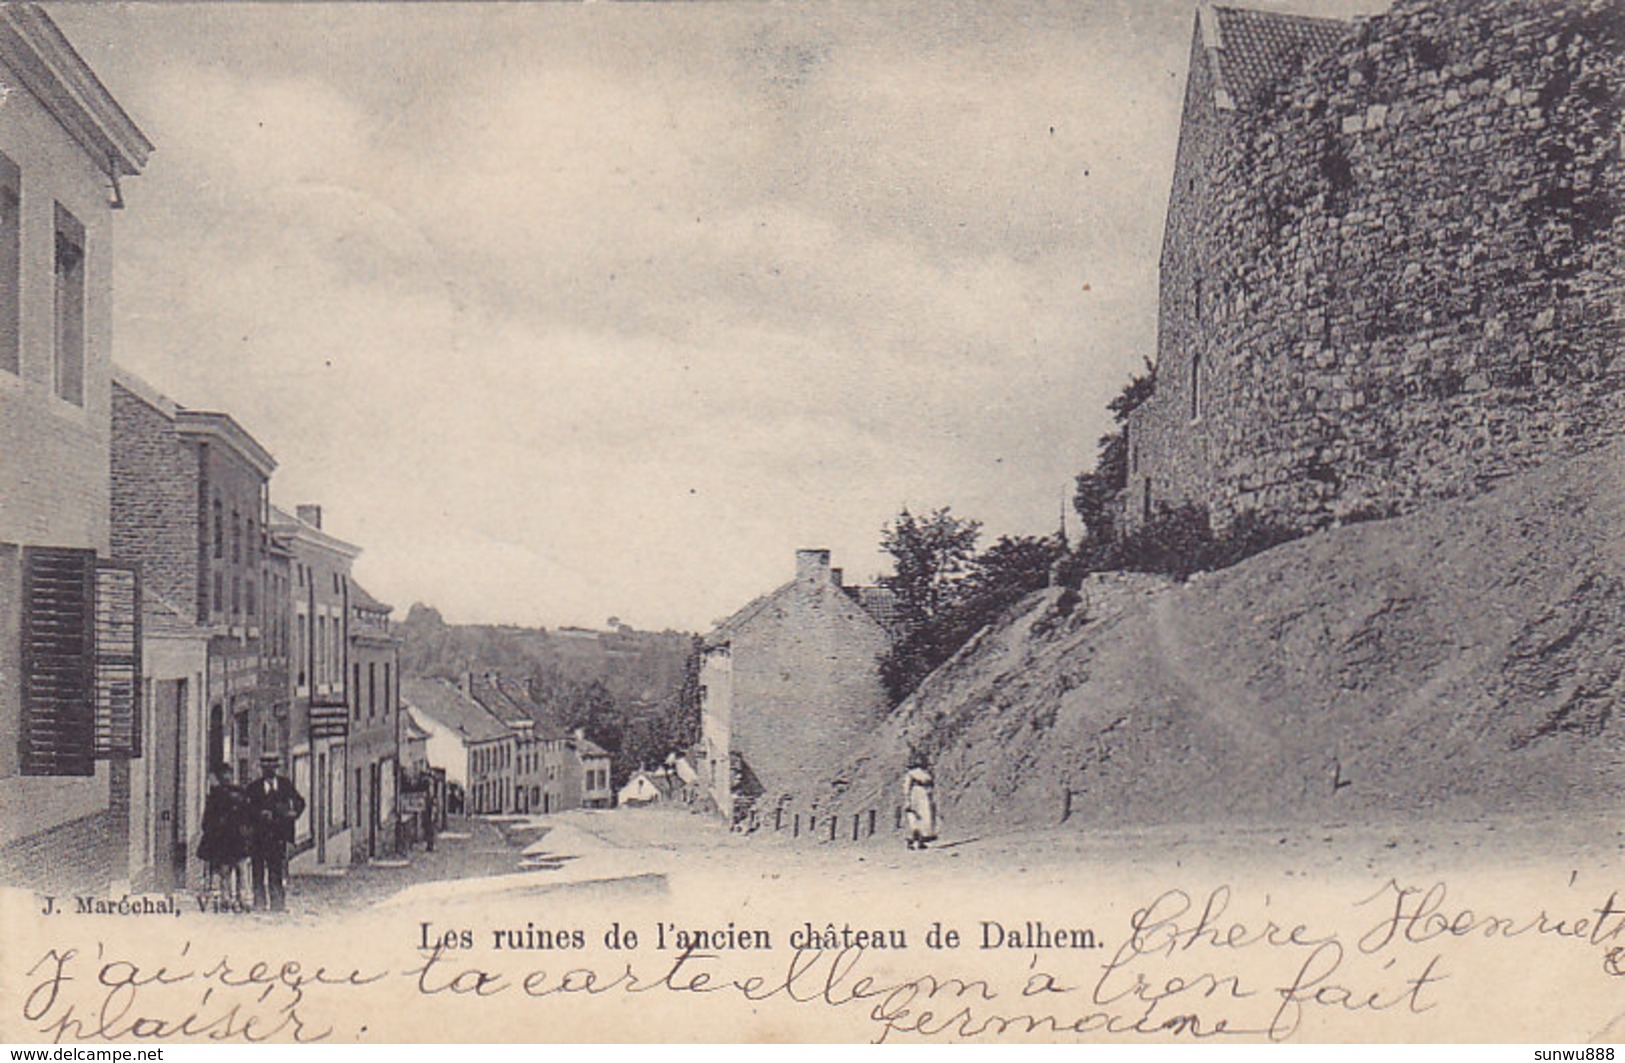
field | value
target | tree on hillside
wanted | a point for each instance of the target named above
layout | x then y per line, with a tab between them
929	556
1095	497
992	581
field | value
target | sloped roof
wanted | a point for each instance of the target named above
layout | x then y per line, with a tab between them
414	732
882	604
441	701
1249	51
725	628
586	747
360	599
878	602
515	693
486	691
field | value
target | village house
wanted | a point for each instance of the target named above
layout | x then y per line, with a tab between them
645	788
790	684
374	740
586	773
317	754
474	748
67	700
523	775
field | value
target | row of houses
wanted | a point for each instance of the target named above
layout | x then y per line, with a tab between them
269	645
158	614
501	750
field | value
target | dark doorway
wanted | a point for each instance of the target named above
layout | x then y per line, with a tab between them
166	816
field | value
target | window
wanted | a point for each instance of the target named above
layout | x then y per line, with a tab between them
219	531
69	376
372	686
236	537
1196	299
355	690
299	646
11	265
1196	386
1146	503
387	700
219	603
236	596
248	596
58	658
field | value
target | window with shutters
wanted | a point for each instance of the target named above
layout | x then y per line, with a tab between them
59	662
69	375
81	662
118	661
11	267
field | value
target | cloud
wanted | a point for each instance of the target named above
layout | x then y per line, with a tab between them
616	317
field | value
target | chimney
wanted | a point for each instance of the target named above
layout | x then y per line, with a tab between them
310	514
466	683
836	575
812	565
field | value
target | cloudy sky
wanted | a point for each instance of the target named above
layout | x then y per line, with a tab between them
572	311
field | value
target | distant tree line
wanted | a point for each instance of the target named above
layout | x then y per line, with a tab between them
635	693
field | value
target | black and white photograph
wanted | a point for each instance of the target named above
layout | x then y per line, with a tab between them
1094	522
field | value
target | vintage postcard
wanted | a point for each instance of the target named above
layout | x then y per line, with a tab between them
1095	522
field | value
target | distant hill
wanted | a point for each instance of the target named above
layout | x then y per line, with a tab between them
632	665
1466	659
633	692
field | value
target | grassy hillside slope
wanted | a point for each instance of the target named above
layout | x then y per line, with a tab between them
1462	660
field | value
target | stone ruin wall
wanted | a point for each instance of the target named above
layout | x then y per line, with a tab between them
1411	270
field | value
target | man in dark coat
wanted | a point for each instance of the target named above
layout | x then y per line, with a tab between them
273	806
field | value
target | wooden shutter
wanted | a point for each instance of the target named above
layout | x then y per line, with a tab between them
118	661
59	658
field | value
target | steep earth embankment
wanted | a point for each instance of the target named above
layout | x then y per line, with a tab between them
1465	659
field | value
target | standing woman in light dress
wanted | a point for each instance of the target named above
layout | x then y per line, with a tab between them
920	802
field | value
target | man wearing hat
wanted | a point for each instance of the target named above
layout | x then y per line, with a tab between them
273	806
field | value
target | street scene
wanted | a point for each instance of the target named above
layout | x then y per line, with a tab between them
1007	500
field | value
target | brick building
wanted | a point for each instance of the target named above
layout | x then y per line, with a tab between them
190	492
375	723
189	495
67	698
319	714
790	684
1390	270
